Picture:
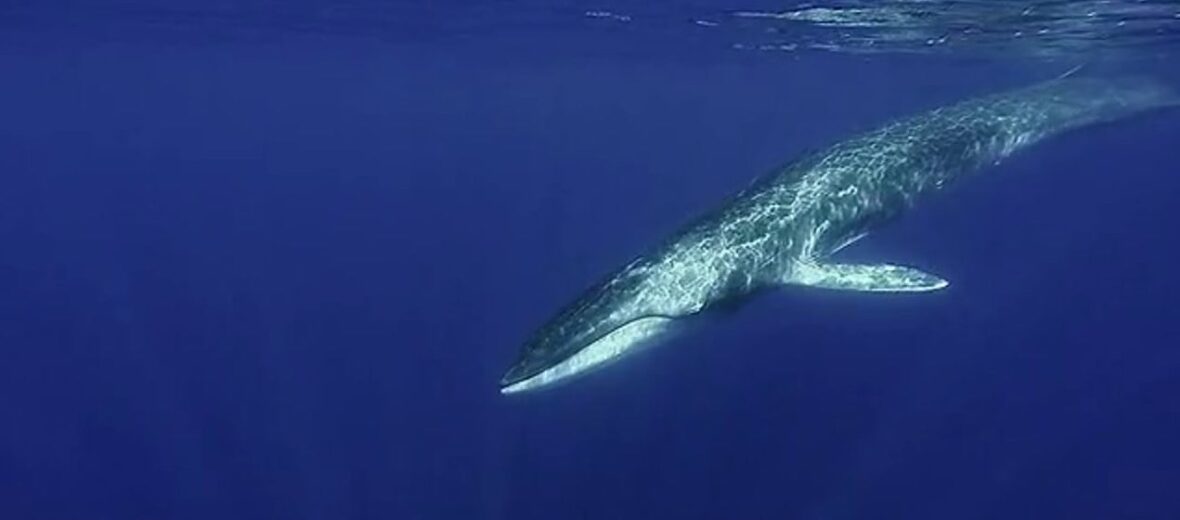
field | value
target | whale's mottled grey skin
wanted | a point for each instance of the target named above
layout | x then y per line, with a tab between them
783	229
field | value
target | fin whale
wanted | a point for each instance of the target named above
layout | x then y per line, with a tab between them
784	228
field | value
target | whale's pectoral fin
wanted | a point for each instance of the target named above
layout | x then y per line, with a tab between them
879	278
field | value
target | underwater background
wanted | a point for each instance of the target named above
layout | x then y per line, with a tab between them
268	260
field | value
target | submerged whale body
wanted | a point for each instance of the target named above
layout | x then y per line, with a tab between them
783	230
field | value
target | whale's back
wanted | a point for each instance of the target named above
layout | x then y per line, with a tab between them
858	184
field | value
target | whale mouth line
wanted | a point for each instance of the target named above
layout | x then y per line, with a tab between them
523	370
605	349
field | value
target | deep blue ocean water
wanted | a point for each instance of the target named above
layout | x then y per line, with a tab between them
255	270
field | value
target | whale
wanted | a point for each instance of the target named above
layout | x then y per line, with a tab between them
785	228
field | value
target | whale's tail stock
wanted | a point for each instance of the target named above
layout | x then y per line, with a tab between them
1122	96
1073	101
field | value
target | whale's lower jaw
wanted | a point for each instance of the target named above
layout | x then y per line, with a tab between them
624	340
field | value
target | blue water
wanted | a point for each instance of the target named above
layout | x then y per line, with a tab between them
255	270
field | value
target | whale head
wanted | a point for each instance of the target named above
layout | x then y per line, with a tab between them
607	322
